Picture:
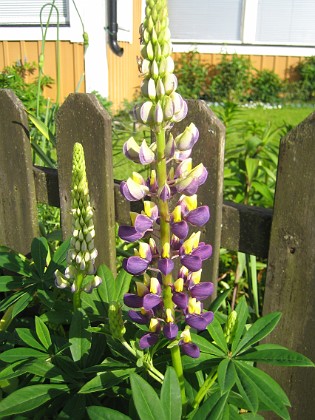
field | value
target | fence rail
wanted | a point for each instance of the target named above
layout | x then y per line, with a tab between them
285	235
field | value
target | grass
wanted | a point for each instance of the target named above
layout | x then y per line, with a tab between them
287	117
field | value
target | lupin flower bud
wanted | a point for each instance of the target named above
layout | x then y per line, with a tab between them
230	327
116	323
82	252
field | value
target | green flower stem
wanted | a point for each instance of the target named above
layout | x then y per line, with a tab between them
152	371
6	319
77	293
205	388
165	232
177	365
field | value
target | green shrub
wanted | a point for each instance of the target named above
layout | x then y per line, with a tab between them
266	87
306	72
231	80
192	76
14	77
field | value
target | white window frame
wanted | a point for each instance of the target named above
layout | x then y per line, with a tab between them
248	45
71	32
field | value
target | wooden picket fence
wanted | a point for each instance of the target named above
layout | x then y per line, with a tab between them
286	235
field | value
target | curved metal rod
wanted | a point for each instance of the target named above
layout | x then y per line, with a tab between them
113	28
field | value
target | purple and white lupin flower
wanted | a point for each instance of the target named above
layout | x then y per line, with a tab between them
162	107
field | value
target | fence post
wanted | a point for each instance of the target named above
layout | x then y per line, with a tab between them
210	151
18	207
290	286
82	119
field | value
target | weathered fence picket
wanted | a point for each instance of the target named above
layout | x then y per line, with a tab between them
288	234
290	285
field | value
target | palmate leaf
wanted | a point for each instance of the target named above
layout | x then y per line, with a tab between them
206	346
43	333
146	401
268	390
213	407
246	389
226	375
242	315
12	283
15	262
106	289
21	353
275	355
215	305
40	250
217	334
74	408
105	380
58	261
29	338
122	284
79	336
29	398
22	302
104	413
260	329
171	396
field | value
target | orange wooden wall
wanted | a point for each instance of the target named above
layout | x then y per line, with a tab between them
123	74
71	62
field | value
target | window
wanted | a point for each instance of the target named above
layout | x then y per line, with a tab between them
27	12
205	20
286	22
243	22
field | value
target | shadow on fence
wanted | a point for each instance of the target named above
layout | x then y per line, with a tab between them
285	235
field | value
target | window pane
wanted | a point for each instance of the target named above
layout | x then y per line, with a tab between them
286	21
207	20
27	12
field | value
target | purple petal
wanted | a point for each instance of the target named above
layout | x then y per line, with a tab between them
129	234
148	340
199	322
133	301
138	317
151	300
135	265
170	330
180	229
190	349
202	290
199	216
146	155
180	299
165	265
192	262
125	191
203	251
165	193
143	223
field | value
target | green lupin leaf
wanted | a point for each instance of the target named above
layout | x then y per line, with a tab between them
145	399
104	413
105	380
122	284
260	329
106	289
268	390
247	389
40	250
171	396
79	336
226	375
275	355
29	398
43	333
242	315
21	353
217	334
28	336
213	407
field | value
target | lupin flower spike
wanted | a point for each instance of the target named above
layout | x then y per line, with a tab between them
82	252
160	302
